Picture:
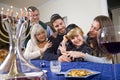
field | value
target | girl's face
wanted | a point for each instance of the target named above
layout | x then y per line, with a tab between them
77	40
41	36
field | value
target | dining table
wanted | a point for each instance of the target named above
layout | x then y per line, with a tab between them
107	71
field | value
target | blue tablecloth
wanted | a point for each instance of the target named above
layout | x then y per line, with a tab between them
107	70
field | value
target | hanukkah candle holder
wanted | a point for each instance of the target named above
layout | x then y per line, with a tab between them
11	68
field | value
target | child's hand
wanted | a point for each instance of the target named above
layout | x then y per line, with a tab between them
64	39
62	50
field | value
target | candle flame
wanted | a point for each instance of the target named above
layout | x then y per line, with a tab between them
8	10
30	10
2	8
11	7
119	32
16	13
20	9
25	8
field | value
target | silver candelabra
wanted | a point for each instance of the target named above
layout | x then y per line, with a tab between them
12	65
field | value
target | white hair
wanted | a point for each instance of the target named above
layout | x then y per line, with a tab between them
37	28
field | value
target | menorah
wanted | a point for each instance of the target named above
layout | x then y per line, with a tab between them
12	65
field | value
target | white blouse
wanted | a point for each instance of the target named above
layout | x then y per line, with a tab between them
32	51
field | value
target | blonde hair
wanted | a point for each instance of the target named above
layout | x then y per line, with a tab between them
73	32
37	28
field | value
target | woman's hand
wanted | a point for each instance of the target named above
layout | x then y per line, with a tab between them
76	54
48	45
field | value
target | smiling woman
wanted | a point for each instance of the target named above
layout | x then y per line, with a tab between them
38	43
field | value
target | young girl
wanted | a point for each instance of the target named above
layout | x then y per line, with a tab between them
38	43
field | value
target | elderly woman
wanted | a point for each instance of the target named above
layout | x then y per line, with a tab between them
38	43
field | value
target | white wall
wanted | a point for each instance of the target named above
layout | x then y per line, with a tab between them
80	12
116	16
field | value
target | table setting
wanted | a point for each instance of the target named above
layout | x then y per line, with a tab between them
102	71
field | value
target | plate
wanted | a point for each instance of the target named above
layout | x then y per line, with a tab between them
60	73
80	73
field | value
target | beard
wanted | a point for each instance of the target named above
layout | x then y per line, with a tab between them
61	31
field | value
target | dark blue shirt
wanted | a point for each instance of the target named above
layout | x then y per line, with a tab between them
51	53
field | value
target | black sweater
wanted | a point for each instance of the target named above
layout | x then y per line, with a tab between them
51	53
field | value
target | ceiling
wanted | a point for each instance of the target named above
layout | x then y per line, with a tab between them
26	3
23	3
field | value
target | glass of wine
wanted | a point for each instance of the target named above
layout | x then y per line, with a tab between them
109	41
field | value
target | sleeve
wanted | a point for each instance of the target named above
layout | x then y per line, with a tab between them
86	50
31	52
50	53
91	58
50	56
49	31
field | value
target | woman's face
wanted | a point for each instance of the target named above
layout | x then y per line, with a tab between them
41	36
94	29
59	26
77	40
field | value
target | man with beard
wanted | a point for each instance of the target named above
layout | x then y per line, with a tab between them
60	27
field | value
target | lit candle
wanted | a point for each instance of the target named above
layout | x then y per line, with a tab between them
8	13
22	13
2	10
30	14
26	11
2	13
11	12
17	16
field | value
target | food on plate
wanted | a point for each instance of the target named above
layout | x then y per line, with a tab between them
3	54
79	73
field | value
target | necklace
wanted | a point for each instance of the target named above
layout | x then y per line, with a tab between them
42	44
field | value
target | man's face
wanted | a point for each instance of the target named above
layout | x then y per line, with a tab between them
94	29
35	16
59	26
